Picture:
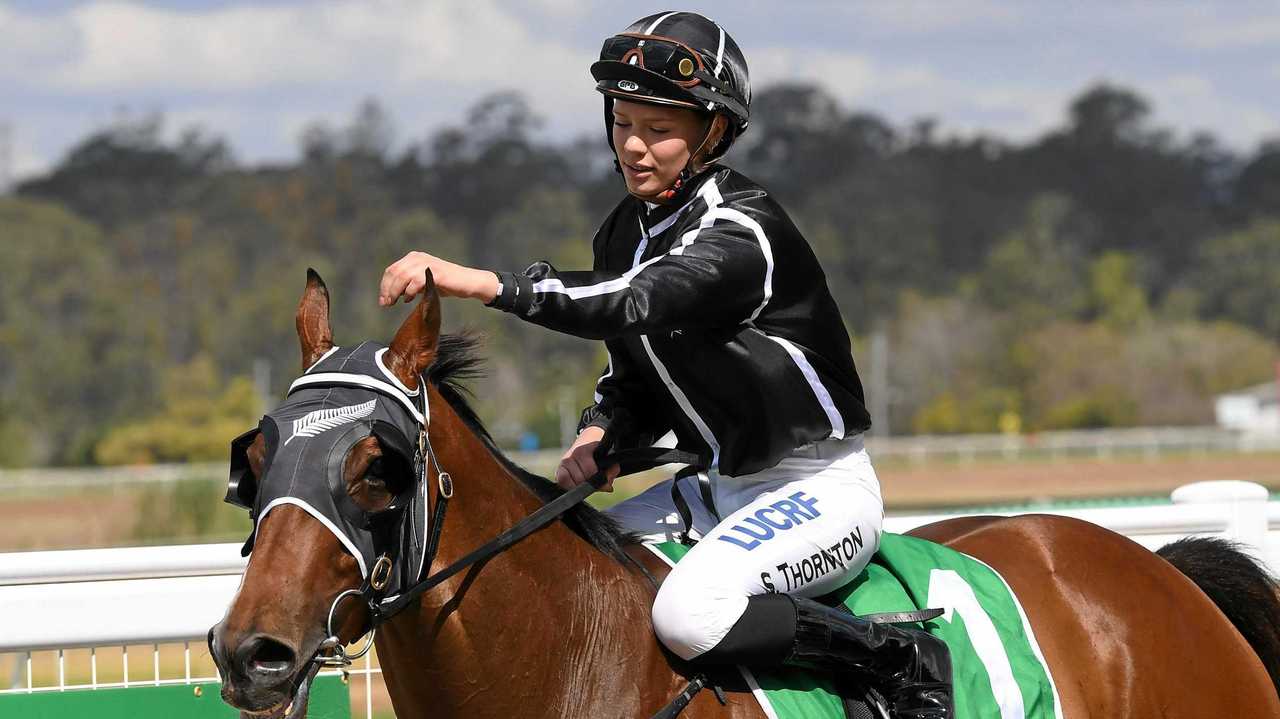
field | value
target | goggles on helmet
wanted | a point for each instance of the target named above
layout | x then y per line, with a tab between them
669	58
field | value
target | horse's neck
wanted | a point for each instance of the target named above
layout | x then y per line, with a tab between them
550	627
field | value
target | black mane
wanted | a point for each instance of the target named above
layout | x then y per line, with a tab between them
458	361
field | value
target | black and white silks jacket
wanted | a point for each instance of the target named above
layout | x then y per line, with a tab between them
718	323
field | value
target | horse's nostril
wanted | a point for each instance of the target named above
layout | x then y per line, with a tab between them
269	658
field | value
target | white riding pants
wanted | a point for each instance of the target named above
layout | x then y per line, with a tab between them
806	527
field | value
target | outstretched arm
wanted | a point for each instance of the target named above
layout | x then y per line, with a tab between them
719	275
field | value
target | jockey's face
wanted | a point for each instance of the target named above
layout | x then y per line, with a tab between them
654	143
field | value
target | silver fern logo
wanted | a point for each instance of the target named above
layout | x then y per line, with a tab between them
313	423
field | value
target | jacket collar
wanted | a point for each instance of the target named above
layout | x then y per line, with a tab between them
656	218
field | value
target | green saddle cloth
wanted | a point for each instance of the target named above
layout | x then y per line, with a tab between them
999	671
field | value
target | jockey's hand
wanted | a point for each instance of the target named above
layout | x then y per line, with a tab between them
405	278
579	464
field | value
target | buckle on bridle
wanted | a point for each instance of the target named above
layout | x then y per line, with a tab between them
380	576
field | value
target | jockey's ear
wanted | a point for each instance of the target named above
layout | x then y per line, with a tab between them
414	346
314	333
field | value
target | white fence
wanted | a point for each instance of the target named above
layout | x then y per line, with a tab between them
57	601
1143	442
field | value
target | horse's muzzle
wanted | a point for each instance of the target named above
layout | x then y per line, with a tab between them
259	672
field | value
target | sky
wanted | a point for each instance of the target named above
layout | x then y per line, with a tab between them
258	73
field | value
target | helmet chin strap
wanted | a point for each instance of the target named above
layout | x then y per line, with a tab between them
685	173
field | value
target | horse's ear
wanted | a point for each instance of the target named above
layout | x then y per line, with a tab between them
314	333
414	346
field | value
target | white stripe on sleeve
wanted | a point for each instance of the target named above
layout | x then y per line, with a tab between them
709	192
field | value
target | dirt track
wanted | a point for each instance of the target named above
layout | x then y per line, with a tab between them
996	482
67	522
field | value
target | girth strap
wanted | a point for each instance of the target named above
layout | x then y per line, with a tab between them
681	700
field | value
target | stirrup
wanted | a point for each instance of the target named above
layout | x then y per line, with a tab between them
911	667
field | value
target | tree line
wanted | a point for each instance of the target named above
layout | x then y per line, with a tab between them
1106	273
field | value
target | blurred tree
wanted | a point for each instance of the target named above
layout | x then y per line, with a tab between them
1069	385
1258	186
189	427
985	410
371	132
1148	195
319	143
943	353
1093	375
1110	116
876	232
1117	299
1036	272
1239	275
545	224
71	358
127	171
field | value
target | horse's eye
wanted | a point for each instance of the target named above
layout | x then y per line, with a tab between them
376	469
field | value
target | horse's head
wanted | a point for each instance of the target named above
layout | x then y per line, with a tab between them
331	480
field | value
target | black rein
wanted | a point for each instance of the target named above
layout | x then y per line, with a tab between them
631	460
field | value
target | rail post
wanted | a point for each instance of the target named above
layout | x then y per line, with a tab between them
1243	504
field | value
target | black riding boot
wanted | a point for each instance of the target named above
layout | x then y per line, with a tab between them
912	667
915	665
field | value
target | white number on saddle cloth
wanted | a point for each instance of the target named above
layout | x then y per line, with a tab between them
949	591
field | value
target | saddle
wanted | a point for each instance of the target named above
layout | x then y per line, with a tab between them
996	660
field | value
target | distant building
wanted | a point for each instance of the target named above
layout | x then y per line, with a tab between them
1255	410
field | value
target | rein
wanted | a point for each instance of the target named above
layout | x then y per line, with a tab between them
644	458
382	609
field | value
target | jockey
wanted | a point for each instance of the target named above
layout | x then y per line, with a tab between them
720	329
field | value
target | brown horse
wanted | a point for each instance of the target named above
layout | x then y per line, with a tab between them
558	625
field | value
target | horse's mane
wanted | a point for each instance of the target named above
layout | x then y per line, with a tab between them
458	361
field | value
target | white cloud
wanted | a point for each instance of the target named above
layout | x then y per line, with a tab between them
1197	103
929	16
109	46
33	45
272	64
847	75
1236	33
914	90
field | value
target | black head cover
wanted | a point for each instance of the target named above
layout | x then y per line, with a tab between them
346	396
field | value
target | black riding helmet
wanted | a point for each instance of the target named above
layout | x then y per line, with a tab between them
676	58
